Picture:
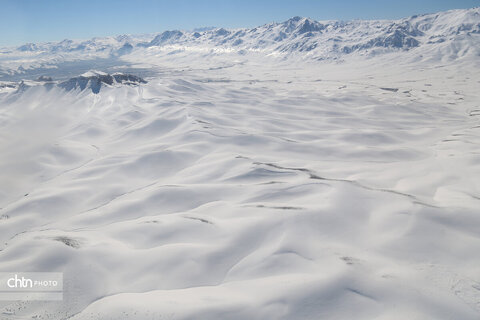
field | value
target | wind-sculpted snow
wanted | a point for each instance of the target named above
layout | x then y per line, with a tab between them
255	191
193	183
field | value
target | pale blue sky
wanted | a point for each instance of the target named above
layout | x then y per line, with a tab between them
24	21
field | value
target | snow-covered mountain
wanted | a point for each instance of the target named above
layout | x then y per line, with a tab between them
94	80
301	34
450	35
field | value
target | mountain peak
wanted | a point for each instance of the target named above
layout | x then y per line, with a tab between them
295	19
166	36
28	47
301	25
309	25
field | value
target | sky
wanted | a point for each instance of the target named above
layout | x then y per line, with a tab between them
23	21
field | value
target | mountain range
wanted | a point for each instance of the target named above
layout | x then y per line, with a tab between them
446	36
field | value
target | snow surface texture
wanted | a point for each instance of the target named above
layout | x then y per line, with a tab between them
239	174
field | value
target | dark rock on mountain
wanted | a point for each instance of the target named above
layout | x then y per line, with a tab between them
44	79
95	80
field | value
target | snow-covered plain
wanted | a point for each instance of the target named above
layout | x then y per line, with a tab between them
301	170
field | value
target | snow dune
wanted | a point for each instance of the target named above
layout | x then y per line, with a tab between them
248	188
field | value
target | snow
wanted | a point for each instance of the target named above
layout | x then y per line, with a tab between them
93	73
271	183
